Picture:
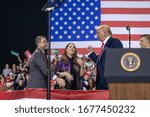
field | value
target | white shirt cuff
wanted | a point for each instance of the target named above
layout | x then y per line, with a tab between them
54	77
90	53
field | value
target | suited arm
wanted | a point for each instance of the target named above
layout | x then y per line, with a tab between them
116	44
41	63
93	56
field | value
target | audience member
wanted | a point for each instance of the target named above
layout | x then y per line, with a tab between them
2	81
6	70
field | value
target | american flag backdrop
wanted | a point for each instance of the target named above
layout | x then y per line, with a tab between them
75	21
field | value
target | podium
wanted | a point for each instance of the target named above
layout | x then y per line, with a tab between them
127	72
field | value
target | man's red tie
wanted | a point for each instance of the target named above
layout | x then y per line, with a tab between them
102	46
101	49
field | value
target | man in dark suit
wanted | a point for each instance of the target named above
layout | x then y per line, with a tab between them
105	36
38	66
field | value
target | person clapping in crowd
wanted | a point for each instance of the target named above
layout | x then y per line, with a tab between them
20	82
89	74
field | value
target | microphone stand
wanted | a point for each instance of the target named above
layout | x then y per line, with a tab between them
49	72
49	7
128	28
50	10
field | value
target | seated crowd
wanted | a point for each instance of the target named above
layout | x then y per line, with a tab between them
16	77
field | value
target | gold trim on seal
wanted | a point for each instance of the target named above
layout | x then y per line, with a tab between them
130	62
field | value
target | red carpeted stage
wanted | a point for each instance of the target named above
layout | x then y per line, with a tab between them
56	94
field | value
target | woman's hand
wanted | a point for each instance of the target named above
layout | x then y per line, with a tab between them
60	82
69	76
65	74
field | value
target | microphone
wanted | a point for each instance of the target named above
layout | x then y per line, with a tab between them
128	28
51	4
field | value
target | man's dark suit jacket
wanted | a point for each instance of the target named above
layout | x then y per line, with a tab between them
101	82
38	70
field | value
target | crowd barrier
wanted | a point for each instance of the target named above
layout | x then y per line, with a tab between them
56	94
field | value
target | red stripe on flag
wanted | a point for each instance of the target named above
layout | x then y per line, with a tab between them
125	37
125	10
79	50
125	23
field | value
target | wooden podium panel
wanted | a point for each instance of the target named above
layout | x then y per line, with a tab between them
129	91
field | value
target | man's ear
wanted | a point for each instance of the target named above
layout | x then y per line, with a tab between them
103	33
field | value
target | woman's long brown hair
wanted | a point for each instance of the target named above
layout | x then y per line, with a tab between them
65	56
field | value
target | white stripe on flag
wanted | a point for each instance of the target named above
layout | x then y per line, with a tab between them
125	4
122	30
79	44
95	44
125	17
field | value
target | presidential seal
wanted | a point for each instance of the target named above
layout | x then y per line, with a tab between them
130	62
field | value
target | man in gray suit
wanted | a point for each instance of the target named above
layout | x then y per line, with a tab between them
38	66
